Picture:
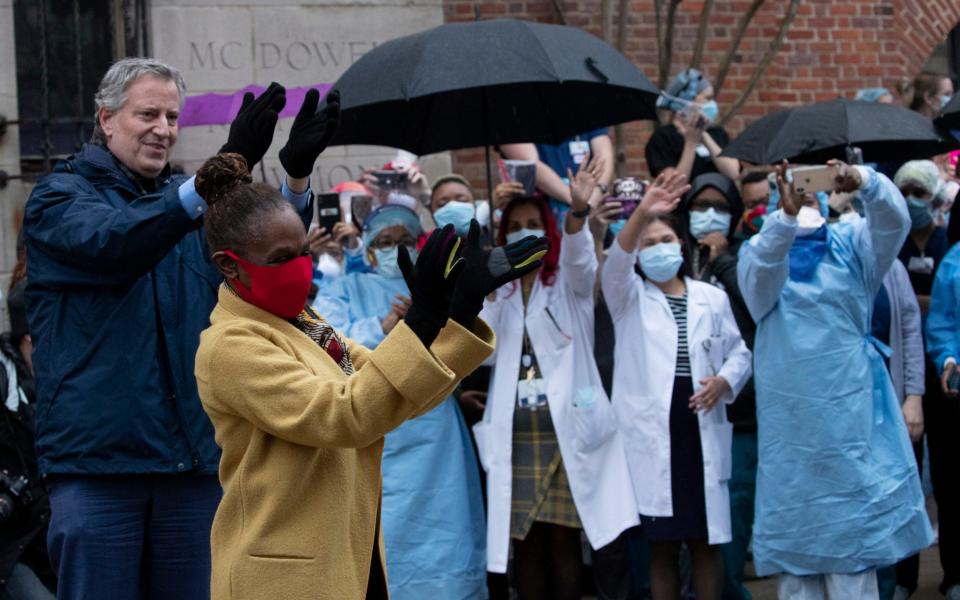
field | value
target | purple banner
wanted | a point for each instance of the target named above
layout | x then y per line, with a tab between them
220	109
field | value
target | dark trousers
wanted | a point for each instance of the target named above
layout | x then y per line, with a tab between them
743	490
941	417
132	537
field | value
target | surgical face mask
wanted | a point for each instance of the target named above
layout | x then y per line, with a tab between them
944	101
710	110
387	261
516	236
708	221
662	262
809	220
329	266
920	213
458	214
850	217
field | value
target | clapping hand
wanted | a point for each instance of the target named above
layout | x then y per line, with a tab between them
431	281
310	133
252	130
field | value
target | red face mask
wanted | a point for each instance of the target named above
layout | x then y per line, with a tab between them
278	289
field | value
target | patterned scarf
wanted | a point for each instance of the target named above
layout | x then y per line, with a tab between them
326	337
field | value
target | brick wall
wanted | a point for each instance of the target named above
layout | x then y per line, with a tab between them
831	49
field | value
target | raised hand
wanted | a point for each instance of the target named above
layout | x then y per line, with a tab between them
848	178
663	195
431	282
790	202
583	185
310	134
485	270
252	130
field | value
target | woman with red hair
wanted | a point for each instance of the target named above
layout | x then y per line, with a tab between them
548	439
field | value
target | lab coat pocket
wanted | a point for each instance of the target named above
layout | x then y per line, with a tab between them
558	336
724	450
481	435
593	419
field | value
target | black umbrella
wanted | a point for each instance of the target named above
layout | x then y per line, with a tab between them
950	117
818	132
463	85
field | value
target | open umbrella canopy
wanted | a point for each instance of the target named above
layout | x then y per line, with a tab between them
472	84
818	132
950	117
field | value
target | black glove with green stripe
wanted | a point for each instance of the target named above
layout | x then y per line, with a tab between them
485	270
431	282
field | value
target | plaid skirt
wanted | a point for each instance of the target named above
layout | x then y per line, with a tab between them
540	490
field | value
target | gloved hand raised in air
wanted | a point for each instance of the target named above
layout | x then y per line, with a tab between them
485	270
252	130
310	134
431	282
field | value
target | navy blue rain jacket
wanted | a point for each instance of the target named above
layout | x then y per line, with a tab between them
120	285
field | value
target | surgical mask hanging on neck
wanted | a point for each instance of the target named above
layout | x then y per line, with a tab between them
387	261
703	222
920	211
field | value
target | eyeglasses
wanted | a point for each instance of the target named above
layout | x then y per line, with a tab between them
410	243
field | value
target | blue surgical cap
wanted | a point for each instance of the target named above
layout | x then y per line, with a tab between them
388	216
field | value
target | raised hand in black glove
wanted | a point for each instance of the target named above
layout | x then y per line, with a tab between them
431	282
312	130
252	130
485	270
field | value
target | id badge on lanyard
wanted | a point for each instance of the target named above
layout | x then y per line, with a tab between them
531	390
579	151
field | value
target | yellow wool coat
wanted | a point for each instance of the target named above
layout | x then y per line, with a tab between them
300	515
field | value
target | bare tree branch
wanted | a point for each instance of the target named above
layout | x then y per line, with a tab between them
561	16
666	54
731	54
702	34
764	64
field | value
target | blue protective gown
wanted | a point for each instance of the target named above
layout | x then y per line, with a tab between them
943	320
433	521
837	483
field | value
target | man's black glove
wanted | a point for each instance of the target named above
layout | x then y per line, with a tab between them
431	282
485	270
312	130
252	130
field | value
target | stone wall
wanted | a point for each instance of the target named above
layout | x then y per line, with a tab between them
12	197
224	46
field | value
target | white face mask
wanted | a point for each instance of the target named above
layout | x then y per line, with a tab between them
850	217
516	236
808	221
329	266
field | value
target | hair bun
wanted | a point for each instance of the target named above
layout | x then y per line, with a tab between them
220	174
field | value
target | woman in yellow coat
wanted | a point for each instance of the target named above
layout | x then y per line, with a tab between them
299	412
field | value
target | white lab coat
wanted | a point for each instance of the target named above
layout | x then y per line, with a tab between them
559	320
644	370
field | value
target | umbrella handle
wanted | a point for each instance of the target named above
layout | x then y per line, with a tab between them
592	66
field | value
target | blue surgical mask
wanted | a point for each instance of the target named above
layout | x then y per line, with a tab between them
944	101
920	213
516	236
662	262
708	221
387	261
458	214
710	110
